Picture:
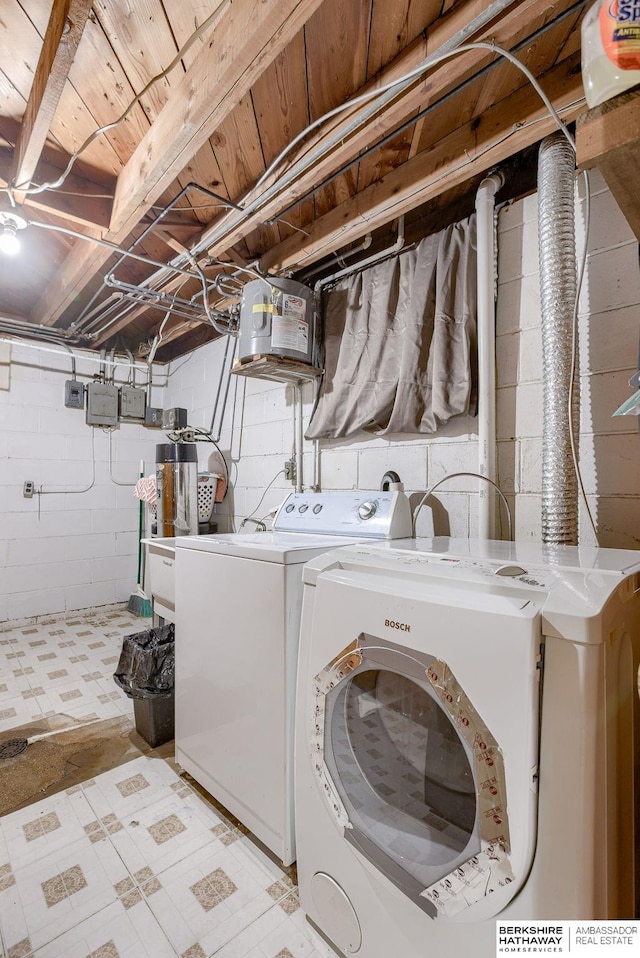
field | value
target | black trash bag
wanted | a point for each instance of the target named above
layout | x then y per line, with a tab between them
146	666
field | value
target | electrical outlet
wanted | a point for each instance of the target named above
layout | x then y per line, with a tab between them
290	470
28	489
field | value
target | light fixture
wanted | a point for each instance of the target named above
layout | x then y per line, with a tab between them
10	222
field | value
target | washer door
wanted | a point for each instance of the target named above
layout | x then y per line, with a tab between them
411	771
404	775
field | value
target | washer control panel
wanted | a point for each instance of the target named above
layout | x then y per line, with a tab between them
369	514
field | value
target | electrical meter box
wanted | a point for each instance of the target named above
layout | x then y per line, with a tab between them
74	394
102	404
133	402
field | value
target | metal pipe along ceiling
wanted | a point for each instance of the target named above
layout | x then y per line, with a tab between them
556	242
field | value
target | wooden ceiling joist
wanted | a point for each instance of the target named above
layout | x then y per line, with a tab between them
215	115
508	127
63	34
514	124
343	148
248	38
607	137
82	204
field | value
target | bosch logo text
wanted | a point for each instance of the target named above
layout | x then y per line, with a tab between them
403	626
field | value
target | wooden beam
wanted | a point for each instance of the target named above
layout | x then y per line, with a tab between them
484	140
56	157
83	203
248	38
608	137
185	342
61	39
475	147
512	25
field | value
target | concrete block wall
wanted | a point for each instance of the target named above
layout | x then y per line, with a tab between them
64	550
257	433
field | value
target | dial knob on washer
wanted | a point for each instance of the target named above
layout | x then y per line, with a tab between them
367	509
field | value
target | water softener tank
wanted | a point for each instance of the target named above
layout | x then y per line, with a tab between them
177	489
278	318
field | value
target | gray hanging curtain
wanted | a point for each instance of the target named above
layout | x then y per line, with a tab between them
400	342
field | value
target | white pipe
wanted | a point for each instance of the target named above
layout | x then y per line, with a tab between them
369	261
88	357
299	440
316	466
486	271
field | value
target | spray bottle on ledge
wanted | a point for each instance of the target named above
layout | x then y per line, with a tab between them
610	49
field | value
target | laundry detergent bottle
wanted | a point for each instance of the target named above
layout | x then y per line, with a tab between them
610	49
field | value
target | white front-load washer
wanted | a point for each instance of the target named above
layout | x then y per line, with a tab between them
238	599
467	742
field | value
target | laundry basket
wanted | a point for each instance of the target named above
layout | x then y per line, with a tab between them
207	485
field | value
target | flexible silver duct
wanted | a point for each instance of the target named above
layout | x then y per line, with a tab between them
556	241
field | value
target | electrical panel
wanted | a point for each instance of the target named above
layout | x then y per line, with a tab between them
153	417
133	402
102	404
74	394
175	418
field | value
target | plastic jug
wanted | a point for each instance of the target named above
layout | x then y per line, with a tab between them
610	49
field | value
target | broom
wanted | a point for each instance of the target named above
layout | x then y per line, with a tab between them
139	602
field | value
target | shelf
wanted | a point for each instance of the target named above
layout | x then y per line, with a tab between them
277	369
608	137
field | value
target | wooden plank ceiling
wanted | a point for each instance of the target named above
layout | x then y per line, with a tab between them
202	128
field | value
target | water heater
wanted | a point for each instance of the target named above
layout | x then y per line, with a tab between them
278	318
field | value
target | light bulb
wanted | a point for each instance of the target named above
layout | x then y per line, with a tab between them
9	242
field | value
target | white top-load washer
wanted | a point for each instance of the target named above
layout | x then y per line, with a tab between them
467	742
238	599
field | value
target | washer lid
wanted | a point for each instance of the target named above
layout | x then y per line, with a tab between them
284	547
527	554
571	586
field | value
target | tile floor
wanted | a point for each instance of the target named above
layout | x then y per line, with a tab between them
134	863
64	665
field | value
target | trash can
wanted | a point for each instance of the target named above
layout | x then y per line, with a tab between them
145	672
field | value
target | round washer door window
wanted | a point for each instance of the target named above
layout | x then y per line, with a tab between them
402	772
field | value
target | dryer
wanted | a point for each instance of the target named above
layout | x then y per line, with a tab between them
467	742
238	599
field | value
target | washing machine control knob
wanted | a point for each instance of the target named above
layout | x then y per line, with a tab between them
290	507
367	509
303	507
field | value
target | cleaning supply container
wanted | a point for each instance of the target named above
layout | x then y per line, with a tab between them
610	49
